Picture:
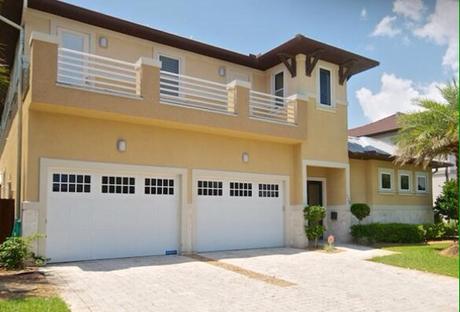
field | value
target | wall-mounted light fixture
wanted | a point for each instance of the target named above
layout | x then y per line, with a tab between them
245	157
222	71
103	42
121	145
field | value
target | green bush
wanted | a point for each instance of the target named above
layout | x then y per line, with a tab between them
388	233
434	231
451	229
313	215
15	251
446	205
360	210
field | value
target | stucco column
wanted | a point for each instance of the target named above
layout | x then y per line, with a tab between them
238	98
43	62
148	79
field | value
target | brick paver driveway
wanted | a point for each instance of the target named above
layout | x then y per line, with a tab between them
316	282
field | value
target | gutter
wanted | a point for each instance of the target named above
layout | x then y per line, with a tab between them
19	65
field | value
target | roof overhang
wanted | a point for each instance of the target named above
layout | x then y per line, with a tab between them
386	157
298	44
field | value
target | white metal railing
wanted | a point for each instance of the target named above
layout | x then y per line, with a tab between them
271	107
194	92
98	73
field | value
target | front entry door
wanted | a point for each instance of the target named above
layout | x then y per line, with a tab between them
315	195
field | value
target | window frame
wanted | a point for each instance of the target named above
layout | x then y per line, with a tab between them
391	173
274	83
424	175
332	105
409	175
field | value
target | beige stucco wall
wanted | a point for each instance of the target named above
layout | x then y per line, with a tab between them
8	162
335	183
87	139
364	181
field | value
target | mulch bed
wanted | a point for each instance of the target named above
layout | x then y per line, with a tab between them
24	283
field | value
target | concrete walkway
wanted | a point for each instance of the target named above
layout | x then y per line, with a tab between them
315	281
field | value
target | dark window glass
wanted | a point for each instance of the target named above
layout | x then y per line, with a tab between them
404	182
386	181
209	188
325	86
71	183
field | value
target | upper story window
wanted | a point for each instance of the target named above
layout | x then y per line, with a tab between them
325	86
421	182
385	180
170	65
278	84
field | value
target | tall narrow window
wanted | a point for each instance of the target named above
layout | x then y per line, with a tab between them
169	65
325	86
278	84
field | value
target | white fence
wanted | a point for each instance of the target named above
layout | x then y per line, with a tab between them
193	92
95	72
271	107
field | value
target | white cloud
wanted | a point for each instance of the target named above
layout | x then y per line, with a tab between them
363	14
412	9
386	28
395	95
442	28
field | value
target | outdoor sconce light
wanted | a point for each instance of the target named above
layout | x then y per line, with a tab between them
245	157
121	145
222	71
103	42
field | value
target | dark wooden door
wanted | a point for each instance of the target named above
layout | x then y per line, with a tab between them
315	193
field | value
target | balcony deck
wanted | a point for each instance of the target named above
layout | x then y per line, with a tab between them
69	81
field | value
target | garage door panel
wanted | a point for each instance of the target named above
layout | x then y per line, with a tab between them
240	217
105	224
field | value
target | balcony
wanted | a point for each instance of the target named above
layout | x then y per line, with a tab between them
100	86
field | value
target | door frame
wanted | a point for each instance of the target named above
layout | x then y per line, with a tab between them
254	178
323	186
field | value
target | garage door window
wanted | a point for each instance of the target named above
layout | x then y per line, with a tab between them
154	186
118	185
268	190
239	189
209	188
71	183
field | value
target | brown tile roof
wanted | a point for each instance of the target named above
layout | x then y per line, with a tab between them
384	125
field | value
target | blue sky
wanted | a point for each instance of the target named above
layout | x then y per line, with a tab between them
415	41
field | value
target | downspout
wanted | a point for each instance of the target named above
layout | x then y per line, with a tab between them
19	61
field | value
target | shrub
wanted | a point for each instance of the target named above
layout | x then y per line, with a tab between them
388	233
434	231
313	215
446	205
15	251
451	229
360	210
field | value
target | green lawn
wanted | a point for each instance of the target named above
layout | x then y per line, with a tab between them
33	304
422	257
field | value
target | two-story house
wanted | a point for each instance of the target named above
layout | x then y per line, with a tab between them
132	141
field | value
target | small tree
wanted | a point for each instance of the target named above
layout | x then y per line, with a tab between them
360	210
313	229
446	205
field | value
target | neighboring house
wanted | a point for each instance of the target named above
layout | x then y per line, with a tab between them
139	142
386	129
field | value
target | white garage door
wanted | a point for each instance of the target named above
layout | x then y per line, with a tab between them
237	213
94	214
